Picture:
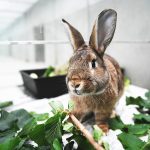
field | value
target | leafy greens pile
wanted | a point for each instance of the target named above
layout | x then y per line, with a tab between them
21	130
131	134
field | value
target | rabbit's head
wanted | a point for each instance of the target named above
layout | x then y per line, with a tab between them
87	72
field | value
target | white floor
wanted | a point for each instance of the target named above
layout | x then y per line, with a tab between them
11	84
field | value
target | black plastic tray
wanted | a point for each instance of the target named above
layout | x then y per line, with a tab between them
44	87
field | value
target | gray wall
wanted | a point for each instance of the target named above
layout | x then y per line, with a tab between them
129	46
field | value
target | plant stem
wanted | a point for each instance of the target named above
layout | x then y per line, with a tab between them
86	133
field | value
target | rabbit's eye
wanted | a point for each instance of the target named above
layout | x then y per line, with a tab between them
93	64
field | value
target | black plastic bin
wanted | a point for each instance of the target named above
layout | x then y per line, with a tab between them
44	87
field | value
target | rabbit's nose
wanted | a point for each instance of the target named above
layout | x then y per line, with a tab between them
77	85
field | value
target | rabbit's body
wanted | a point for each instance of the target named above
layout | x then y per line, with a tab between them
94	80
103	103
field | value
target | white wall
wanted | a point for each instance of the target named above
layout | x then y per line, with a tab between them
133	25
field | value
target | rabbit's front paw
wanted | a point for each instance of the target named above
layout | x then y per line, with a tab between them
104	127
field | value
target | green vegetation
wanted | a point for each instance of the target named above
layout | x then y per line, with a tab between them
130	136
21	130
51	71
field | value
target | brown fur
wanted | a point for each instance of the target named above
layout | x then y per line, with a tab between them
102	104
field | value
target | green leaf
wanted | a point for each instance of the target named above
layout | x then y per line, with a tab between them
146	146
138	101
116	123
82	142
53	128
22	116
57	145
130	141
5	104
134	101
10	144
56	106
28	128
11	122
7	121
149	136
8	125
41	117
142	118
38	135
137	129
97	133
43	148
21	144
68	127
27	146
4	135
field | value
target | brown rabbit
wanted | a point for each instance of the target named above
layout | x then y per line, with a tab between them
94	79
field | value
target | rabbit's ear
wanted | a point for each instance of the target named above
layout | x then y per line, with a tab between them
103	30
74	35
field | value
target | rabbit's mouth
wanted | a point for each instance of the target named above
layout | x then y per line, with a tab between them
84	87
84	90
78	92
